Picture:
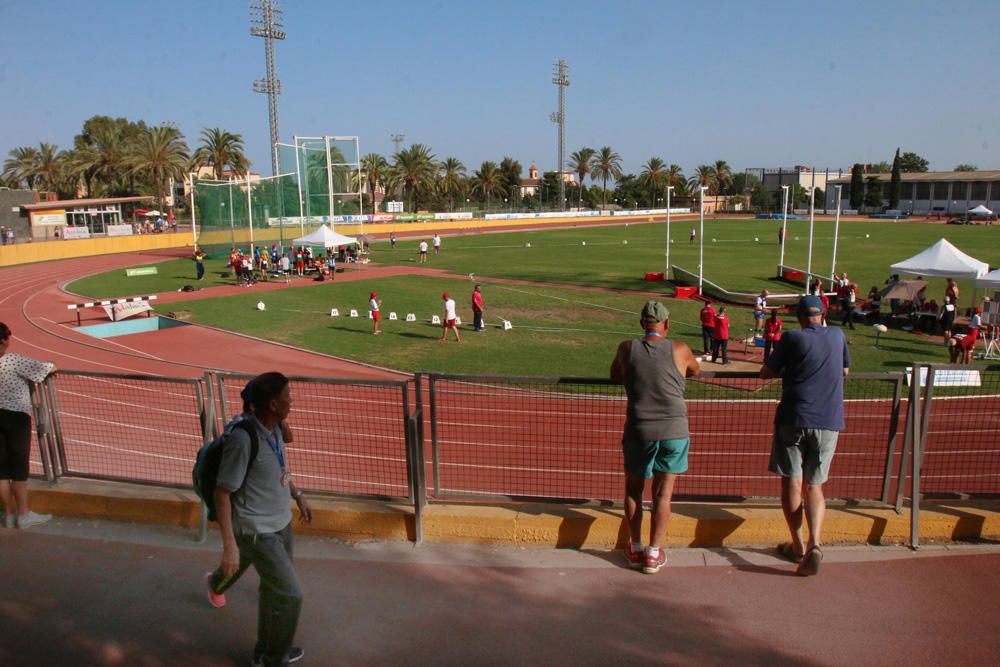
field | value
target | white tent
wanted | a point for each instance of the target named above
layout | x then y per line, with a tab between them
991	279
325	237
980	210
943	260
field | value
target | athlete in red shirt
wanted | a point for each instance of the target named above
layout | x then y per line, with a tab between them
707	327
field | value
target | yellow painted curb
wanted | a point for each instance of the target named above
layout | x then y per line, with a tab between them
534	524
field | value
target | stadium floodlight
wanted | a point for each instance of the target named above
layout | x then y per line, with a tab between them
701	239
266	22
194	227
836	234
812	218
666	274
784	227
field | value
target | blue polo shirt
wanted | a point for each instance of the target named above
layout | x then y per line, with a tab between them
811	361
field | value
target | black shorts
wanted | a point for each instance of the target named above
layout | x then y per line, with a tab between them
15	440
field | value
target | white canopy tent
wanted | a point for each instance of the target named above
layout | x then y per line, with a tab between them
990	280
980	210
325	237
942	260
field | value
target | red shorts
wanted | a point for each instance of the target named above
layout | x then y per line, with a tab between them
375	315
449	323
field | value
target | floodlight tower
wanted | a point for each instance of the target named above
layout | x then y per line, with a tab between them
265	21
561	79
397	139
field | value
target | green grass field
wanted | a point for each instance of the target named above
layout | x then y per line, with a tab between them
559	330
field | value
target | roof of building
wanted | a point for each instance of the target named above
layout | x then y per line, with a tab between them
77	203
930	176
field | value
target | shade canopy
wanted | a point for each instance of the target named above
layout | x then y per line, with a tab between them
326	237
943	260
980	210
990	280
904	290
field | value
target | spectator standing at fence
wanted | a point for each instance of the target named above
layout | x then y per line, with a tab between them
477	309
707	328
256	523
374	305
812	362
16	374
450	319
437	243
720	336
423	251
199	262
10	236
760	311
655	439
772	333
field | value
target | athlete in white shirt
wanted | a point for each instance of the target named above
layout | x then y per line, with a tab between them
450	319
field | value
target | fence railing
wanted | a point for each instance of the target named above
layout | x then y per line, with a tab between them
524	437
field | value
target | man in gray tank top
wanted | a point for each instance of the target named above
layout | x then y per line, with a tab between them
656	437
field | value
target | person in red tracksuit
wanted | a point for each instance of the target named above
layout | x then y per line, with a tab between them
720	336
772	333
707	327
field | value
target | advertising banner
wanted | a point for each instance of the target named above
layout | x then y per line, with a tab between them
121	311
119	230
464	215
56	216
75	233
423	217
383	217
406	217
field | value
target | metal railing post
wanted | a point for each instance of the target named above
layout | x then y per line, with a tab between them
38	411
917	453
434	439
60	446
890	450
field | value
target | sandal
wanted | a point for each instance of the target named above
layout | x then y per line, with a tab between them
787	551
810	563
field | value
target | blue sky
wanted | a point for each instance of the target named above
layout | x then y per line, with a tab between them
765	83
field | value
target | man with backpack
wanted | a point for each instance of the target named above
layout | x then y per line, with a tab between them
252	497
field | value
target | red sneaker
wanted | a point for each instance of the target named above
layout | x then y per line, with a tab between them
652	564
634	558
217	600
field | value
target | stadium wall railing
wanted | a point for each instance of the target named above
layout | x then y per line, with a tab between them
505	438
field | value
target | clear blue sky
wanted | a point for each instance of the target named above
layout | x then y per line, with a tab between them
767	83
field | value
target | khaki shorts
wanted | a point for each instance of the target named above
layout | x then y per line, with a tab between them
803	452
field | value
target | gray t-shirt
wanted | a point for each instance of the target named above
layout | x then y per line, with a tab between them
264	505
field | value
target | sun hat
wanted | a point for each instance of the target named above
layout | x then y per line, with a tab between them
374	294
656	311
444	296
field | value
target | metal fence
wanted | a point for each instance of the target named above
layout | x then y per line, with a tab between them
524	437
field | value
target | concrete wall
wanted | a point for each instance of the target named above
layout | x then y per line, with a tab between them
11	202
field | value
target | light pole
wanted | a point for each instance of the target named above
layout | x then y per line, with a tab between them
701	238
836	233
812	217
784	228
666	273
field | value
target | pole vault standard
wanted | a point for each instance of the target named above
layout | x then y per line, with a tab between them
666	273
194	227
812	218
784	227
836	234
701	239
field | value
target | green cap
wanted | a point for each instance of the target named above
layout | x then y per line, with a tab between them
656	311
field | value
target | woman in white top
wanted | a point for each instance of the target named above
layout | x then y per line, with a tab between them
16	374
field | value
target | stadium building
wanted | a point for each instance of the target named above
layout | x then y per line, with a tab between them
934	192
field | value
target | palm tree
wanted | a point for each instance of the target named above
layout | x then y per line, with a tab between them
49	166
579	161
487	179
412	171
159	154
220	149
653	176
604	165
451	175
703	176
20	167
374	170
101	162
722	176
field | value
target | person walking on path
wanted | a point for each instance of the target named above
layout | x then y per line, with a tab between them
373	308
450	319
16	374
437	243
760	311
656	439
812	362
477	309
772	333
423	251
253	502
720	336
199	263
707	328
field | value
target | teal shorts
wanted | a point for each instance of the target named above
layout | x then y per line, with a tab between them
643	458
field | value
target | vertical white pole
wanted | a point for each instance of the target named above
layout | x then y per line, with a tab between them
250	213
361	201
329	177
666	273
784	227
836	234
232	219
298	179
812	211
701	239
194	227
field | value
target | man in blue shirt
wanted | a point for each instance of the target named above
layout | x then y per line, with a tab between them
812	363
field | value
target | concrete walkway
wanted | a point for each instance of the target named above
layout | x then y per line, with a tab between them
80	592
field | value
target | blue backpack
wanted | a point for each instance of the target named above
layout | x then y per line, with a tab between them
206	465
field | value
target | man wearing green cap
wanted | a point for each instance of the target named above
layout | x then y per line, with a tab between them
656	436
811	362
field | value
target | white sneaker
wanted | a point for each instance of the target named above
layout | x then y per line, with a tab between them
32	519
10	521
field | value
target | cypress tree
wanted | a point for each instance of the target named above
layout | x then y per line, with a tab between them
857	188
896	185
